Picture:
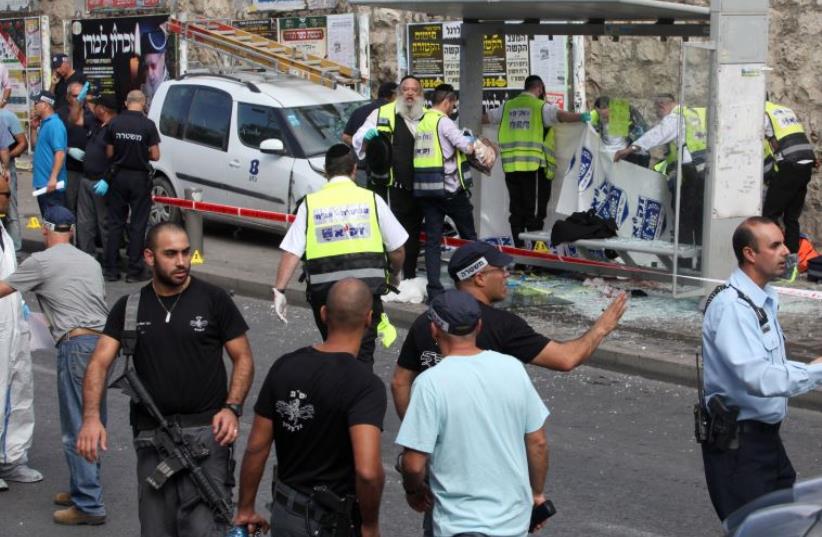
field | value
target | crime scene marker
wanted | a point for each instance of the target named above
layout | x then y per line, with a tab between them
197	258
540	246
34	223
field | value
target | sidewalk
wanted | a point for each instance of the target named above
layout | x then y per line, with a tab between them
657	337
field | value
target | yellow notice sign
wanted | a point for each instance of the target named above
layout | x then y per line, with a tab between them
34	223
197	258
540	246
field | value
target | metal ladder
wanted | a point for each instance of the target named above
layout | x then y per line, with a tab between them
266	53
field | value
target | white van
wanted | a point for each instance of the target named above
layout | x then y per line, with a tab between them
245	140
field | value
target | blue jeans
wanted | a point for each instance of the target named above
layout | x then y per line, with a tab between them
458	207
84	477
12	214
49	199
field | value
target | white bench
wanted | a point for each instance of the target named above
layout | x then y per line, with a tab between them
663	250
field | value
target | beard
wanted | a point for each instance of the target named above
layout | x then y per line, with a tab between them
169	280
411	111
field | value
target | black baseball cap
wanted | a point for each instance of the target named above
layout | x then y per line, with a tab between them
471	258
57	60
455	312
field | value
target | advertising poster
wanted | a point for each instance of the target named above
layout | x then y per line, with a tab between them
126	53
263	27
434	57
341	47
21	46
307	34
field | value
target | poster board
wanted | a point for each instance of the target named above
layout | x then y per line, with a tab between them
24	42
433	55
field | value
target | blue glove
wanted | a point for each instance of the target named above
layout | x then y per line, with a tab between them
585	117
370	134
83	92
101	187
26	311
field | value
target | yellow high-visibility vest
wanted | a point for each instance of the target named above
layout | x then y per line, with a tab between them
521	143
792	142
429	163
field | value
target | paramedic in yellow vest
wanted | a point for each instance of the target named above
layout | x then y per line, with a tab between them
694	153
399	120
793	159
618	125
523	121
442	179
342	231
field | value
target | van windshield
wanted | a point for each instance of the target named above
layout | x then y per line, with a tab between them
318	127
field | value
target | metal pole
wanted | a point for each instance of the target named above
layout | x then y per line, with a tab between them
194	221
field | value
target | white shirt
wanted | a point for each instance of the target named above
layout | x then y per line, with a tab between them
549	114
664	133
371	123
393	234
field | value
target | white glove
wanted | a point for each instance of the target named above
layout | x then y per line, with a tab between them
280	304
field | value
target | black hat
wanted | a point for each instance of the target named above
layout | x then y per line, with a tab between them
455	312
61	218
387	90
44	96
109	101
471	258
378	155
57	60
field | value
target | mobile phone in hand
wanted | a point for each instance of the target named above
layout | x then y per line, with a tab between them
540	513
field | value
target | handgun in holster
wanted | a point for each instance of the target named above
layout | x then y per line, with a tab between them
339	520
723	428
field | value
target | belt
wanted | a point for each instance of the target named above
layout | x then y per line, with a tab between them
297	502
753	426
201	419
77	332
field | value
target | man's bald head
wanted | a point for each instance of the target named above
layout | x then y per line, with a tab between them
348	305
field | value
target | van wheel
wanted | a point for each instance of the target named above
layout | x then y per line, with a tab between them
160	213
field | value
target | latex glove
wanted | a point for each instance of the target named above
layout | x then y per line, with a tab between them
26	311
76	153
280	304
370	134
83	92
386	331
101	187
585	117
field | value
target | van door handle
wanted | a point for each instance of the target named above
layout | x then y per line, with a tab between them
234	163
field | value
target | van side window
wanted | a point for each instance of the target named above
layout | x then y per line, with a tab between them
209	118
256	123
175	110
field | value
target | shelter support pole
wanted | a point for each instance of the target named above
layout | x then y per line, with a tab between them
739	32
471	98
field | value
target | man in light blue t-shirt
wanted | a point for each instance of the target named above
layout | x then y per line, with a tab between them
477	424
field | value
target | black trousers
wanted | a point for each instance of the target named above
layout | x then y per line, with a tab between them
130	190
369	338
458	207
738	476
785	198
408	211
528	193
691	207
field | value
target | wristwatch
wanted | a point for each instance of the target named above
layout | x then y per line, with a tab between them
235	407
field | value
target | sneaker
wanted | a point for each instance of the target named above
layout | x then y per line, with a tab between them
21	473
74	517
63	499
3	485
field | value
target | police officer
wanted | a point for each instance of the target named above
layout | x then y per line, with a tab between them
343	230
673	116
326	413
183	325
522	136
442	179
69	286
793	160
748	377
132	141
398	121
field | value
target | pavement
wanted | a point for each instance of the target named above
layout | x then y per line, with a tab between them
657	337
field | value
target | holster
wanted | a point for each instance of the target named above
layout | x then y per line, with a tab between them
722	425
340	520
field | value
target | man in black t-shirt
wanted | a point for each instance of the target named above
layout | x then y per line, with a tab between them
79	122
183	325
480	270
132	140
91	201
63	74
325	411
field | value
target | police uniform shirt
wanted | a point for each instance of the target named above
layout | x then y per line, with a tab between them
393	234
77	134
746	363
502	331
313	398
181	362
96	163
132	133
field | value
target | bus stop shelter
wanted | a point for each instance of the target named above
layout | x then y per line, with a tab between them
732	54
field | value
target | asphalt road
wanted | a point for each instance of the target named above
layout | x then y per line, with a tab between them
623	460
